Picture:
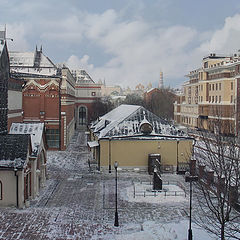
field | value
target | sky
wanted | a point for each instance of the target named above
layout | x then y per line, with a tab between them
125	42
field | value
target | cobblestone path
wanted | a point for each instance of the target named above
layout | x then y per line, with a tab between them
78	203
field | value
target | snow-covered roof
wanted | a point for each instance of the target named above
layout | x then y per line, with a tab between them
14	150
82	77
93	144
125	120
148	91
31	63
34	129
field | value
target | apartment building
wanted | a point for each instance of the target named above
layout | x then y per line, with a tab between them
210	97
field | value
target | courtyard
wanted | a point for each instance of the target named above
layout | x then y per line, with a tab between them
78	202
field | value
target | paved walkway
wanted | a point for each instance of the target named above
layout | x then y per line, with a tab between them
79	204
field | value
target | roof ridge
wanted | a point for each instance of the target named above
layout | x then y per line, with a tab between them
125	117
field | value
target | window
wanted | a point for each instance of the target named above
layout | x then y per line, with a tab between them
209	87
231	85
220	98
93	93
216	86
212	99
1	195
220	86
231	98
201	87
52	137
213	87
201	98
216	99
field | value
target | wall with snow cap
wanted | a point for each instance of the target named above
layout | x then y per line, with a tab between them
134	152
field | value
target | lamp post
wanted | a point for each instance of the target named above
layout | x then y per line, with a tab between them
189	178
116	224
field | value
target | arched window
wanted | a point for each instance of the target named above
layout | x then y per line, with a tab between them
82	116
1	195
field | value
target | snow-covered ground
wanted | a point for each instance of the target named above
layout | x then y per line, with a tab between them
80	204
165	231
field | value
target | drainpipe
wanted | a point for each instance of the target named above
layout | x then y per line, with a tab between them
60	116
109	157
98	157
15	171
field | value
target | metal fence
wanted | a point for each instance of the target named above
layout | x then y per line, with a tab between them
155	193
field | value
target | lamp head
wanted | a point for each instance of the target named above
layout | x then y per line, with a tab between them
116	164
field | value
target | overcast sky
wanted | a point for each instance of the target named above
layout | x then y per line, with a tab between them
125	42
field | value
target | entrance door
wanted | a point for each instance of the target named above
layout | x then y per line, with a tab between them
82	116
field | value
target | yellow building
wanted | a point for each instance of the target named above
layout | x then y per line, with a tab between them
129	133
210	95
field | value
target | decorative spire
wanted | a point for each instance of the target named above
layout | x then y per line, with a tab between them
160	81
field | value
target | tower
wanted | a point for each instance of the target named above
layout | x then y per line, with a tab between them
160	85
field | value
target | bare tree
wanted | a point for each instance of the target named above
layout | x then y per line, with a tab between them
161	103
134	99
101	107
217	156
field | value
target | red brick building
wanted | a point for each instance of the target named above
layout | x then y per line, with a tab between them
87	91
42	99
149	94
55	96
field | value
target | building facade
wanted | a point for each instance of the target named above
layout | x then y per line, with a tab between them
87	92
211	95
54	95
15	100
142	133
20	162
48	95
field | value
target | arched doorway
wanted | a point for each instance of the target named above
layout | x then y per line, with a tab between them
82	116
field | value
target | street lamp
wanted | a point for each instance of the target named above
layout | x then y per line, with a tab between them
177	154
116	224
190	178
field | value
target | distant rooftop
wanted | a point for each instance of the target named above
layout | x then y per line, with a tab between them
31	63
82	77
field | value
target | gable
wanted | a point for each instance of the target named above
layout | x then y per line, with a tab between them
35	130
